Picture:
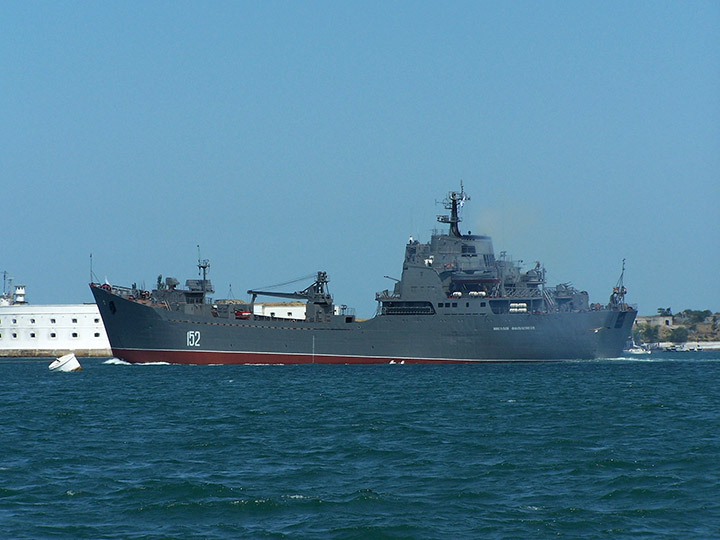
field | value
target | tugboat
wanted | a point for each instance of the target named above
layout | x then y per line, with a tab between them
454	302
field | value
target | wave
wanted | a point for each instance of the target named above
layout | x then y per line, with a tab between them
116	362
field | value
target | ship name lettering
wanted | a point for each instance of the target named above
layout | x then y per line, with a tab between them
496	328
193	338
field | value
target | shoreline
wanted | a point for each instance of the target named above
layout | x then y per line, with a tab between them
686	346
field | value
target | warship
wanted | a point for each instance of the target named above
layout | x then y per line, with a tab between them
455	302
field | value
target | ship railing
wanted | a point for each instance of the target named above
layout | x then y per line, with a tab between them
523	293
124	292
344	310
622	306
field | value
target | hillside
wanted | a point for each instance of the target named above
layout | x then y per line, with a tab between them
688	325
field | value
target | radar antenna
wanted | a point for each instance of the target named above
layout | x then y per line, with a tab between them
451	202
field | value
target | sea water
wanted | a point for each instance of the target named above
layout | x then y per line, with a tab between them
586	449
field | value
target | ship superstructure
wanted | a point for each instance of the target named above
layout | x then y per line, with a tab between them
454	268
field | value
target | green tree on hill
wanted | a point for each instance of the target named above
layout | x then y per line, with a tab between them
679	334
696	316
649	333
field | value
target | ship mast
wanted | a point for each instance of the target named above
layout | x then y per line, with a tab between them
203	265
451	202
617	298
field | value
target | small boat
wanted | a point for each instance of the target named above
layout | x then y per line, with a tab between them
634	348
67	362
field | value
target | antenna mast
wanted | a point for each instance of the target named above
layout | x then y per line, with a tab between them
451	202
203	265
619	291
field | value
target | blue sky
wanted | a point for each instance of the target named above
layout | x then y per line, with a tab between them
291	137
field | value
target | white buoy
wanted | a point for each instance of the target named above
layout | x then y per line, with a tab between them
67	362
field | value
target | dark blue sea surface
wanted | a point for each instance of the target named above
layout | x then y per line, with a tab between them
587	449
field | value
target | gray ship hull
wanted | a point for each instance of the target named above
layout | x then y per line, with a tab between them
141	333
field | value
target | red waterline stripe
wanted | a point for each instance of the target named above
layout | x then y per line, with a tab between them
138	356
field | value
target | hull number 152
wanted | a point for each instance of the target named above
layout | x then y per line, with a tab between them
193	338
